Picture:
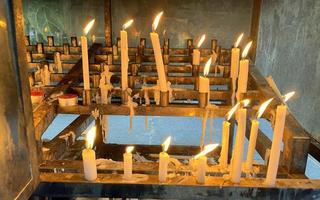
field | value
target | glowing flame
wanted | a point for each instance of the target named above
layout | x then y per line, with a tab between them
165	145
263	107
129	149
156	21
90	137
245	102
127	24
246	50
203	37
206	69
233	110
207	149
88	27
236	44
287	96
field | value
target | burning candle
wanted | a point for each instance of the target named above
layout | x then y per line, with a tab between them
277	140
235	57
127	163
89	156
164	160
204	84
254	134
239	144
157	54
223	160
85	59
196	52
244	71
201	162
124	54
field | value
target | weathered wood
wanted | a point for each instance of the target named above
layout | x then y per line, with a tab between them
42	118
56	147
254	29
178	187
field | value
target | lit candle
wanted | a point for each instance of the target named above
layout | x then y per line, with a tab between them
85	59
244	71
276	141
158	55
239	144
204	82
201	162
223	160
235	57
164	160
89	156
124	55
196	52
127	163
254	134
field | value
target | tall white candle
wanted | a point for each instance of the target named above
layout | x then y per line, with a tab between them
158	55
127	163
85	59
276	142
89	157
204	82
164	161
235	57
244	72
239	146
196	52
124	55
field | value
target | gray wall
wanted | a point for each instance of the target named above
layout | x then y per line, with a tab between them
289	50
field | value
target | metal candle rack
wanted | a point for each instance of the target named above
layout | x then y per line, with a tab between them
62	155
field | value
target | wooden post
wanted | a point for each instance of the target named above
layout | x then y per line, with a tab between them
107	23
27	40
50	40
74	42
255	18
66	49
40	49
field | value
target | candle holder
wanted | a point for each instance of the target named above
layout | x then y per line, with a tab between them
124	97
86	98
203	99
164	98
195	74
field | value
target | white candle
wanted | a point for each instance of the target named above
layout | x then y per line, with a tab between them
239	146
204	82
196	52
85	59
89	157
57	61
164	161
124	55
276	142
158	55
243	73
235	56
201	164
127	163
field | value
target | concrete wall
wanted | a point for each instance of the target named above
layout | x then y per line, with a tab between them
289	50
182	19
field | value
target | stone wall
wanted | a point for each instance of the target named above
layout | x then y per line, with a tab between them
289	50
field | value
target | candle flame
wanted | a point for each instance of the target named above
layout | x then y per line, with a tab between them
90	137
245	102
236	44
232	111
165	145
88	27
206	69
263	107
129	149
207	149
287	96
203	37
246	50
127	24
156	21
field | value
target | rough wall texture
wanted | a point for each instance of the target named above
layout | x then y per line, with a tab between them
182	19
289	50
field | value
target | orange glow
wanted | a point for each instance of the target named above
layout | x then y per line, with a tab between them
203	37
156	21
129	149
246	50
236	44
207	66
90	137
245	102
263	107
232	111
207	149
127	24
287	96
166	144
88	27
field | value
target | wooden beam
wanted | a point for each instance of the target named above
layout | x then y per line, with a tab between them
42	118
254	29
